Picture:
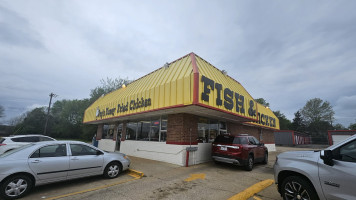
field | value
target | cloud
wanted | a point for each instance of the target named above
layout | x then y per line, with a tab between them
285	52
16	30
345	110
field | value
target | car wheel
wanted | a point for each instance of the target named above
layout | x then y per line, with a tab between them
249	164
295	187
265	160
15	187
112	170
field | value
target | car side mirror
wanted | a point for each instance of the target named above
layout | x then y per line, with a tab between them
327	157
98	153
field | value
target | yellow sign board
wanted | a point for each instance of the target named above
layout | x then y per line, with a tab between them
189	80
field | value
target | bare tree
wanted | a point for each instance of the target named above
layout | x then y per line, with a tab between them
317	110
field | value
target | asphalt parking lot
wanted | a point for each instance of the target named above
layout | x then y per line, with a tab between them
168	181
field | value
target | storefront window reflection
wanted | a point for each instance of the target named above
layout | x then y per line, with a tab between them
213	130
131	129
142	133
154	132
164	122
150	130
108	131
208	129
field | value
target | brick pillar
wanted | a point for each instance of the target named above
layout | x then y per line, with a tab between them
99	132
123	134
181	128
115	132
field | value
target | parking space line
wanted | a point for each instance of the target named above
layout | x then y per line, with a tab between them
256	198
194	177
134	173
249	192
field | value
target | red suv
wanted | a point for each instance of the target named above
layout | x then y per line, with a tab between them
241	150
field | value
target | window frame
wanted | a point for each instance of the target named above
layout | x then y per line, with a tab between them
86	146
338	156
54	153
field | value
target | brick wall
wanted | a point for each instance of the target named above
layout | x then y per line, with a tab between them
266	137
179	128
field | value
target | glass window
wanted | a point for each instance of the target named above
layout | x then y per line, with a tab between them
16	139
154	132
149	130
131	129
26	139
222	128
251	141
348	152
256	140
108	132
82	150
240	140
203	130
45	139
50	151
163	131
143	130
225	139
208	130
164	123
163	136
213	130
222	125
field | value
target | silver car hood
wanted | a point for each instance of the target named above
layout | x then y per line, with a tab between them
301	155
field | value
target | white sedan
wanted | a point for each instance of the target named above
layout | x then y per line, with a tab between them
46	162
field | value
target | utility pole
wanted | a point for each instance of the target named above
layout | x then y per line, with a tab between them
49	107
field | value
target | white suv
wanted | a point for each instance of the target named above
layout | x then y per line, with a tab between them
326	174
12	142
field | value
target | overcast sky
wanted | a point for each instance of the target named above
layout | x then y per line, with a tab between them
286	52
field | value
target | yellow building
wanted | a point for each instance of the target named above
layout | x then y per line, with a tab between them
187	102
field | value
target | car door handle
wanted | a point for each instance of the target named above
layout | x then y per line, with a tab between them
35	161
74	159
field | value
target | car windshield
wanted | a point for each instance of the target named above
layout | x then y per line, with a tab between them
15	150
240	140
224	139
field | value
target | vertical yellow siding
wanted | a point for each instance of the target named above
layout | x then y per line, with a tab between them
165	87
214	74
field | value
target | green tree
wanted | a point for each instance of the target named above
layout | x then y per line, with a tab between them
284	123
2	110
318	131
262	101
339	127
318	116
66	116
352	126
107	86
68	119
317	110
298	124
32	122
